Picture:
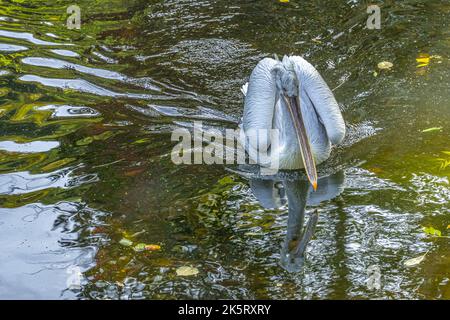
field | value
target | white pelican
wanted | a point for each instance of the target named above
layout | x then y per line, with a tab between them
292	97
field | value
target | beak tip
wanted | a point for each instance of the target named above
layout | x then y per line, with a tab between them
314	185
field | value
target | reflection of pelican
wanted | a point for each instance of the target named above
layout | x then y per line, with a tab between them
273	194
290	96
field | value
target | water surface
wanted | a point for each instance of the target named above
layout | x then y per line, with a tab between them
85	123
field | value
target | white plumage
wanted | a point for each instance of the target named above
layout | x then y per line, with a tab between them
271	82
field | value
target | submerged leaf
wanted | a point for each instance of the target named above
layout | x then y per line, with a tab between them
414	261
187	271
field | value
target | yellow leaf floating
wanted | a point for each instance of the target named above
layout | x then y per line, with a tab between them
284	1
187	271
423	60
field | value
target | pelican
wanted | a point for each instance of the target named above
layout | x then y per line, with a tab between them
291	97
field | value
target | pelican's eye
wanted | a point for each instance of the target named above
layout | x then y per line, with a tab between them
289	84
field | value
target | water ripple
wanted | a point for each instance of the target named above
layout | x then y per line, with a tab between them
101	73
41	248
4	47
30	38
60	64
68	111
82	86
28	147
24	182
65	53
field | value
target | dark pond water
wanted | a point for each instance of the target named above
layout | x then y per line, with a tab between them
85	123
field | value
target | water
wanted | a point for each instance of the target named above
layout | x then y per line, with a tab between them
85	123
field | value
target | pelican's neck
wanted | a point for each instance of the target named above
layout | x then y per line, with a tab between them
282	121
289	150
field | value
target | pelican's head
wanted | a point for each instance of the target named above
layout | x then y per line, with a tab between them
286	79
289	88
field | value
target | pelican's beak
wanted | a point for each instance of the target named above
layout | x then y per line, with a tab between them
293	104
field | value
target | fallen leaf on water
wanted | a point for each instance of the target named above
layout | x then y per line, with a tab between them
385	65
146	247
152	247
284	1
414	261
432	231
139	247
423	60
432	129
187	271
448	227
126	243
